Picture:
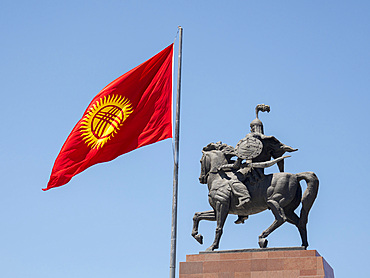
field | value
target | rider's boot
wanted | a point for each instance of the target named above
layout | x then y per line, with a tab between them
241	219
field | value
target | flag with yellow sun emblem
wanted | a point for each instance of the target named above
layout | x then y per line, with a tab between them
132	111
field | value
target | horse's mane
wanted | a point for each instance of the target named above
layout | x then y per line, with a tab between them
228	151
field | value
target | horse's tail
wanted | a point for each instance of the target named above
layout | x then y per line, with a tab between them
309	195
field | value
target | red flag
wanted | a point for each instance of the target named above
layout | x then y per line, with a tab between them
132	111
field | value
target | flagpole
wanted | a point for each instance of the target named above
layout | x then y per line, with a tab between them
176	165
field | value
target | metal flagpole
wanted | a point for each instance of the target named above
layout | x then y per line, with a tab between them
176	166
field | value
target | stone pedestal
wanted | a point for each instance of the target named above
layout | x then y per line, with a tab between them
257	263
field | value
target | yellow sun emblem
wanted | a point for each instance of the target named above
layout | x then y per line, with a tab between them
104	119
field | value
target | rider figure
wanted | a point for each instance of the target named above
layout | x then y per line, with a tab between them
251	150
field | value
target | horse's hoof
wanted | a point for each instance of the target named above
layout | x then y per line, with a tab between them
199	238
209	249
262	242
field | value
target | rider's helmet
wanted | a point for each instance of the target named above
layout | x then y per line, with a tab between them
256	126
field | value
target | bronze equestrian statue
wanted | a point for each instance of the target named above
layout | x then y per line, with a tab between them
242	188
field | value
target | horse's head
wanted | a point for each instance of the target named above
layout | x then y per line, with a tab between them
204	168
214	156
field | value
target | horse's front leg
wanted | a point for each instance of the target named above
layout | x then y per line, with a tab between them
205	215
222	210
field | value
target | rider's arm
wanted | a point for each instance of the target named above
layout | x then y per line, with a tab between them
235	166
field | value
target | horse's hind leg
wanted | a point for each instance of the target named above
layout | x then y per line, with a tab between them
280	218
222	210
205	215
294	219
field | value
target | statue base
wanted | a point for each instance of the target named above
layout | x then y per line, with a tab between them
289	262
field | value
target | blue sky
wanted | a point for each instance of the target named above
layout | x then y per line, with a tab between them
309	60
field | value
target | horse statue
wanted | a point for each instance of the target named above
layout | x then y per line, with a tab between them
279	192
